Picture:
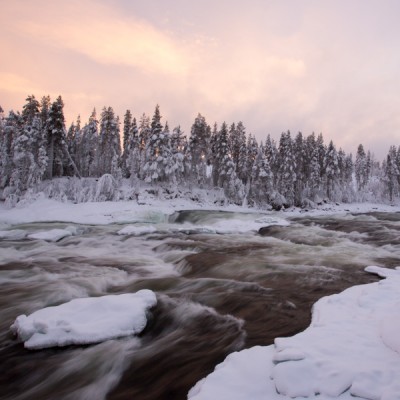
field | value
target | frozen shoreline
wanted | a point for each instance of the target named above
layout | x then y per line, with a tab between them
350	350
102	213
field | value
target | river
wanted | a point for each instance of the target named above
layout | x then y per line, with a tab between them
217	292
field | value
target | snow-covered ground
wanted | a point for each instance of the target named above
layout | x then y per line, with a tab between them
351	350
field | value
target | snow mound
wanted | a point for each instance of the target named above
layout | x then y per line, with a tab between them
85	321
351	349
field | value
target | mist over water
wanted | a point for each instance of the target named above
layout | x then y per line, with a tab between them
220	286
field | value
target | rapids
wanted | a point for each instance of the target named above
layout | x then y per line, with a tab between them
221	285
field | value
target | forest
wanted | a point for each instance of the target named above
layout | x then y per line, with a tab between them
36	149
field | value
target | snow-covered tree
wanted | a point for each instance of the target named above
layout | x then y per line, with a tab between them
261	186
332	171
87	147
152	168
109	149
23	159
57	150
223	164
132	151
252	151
392	173
300	155
361	169
127	131
199	148
144	136
178	149
287	168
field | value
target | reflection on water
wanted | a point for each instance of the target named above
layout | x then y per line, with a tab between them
216	292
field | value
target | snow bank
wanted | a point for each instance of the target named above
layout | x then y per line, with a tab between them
352	348
153	211
85	321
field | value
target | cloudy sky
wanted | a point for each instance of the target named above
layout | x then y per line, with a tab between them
313	65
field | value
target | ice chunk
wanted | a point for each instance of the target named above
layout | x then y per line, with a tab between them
85	320
53	235
136	230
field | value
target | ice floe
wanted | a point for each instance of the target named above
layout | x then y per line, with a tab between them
85	320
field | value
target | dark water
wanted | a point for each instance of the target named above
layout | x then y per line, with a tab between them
217	293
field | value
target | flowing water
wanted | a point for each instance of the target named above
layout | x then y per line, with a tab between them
217	292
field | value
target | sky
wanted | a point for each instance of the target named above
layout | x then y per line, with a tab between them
329	67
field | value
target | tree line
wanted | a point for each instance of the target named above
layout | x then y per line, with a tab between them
298	170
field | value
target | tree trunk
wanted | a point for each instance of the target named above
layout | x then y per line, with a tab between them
71	162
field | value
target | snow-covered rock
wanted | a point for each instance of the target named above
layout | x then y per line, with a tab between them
85	320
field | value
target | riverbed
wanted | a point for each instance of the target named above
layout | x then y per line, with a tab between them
222	283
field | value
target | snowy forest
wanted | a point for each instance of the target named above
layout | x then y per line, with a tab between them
36	149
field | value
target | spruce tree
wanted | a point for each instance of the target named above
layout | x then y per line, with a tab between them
127	131
287	168
361	169
392	173
199	148
109	149
332	171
